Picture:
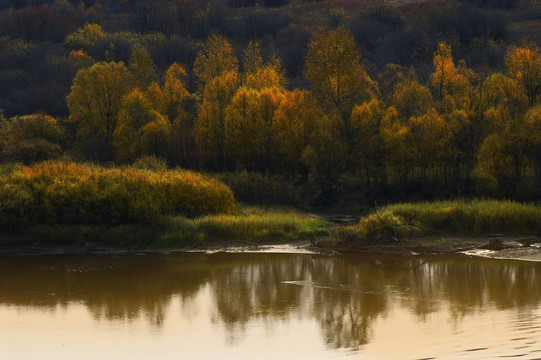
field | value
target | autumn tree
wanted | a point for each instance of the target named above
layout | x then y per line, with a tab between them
248	126
216	58
397	140
209	126
259	74
140	130
502	159
367	152
502	156
411	99
524	65
493	102
80	59
94	103
430	137
142	67
293	124
325	153
533	131
270	75
333	69
447	80
252	60
505	96
179	107
85	37
172	97
391	77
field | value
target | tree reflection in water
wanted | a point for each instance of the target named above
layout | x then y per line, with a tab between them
345	295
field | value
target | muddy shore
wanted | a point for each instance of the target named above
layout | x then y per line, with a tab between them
494	246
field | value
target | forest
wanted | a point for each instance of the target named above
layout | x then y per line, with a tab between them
285	101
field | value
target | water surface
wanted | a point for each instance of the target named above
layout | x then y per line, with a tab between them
268	306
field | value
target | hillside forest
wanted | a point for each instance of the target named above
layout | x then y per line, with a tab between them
364	100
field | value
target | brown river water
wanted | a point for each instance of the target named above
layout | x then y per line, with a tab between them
268	306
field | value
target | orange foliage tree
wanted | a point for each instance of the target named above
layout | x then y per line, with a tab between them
293	123
524	65
448	82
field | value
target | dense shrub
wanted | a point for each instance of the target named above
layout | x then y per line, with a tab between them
257	188
67	193
30	138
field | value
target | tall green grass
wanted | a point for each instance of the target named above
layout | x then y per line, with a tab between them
250	225
256	225
445	217
68	193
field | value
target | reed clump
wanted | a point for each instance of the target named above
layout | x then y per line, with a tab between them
256	224
444	217
68	193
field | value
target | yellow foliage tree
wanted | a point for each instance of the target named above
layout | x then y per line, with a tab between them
85	37
333	69
293	124
367	152
141	130
94	103
430	135
209	126
265	77
177	104
259	75
325	153
174	93
400	154
142	67
155	136
502	159
505	96
252	60
411	99
248	126
216	58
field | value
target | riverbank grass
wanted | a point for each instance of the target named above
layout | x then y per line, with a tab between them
244	225
458	217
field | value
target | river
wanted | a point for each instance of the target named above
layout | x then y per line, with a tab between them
268	306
